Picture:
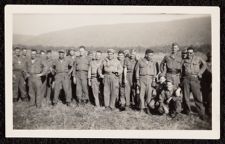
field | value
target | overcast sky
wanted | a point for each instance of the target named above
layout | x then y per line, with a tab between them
35	24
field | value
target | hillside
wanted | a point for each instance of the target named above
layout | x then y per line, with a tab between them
195	31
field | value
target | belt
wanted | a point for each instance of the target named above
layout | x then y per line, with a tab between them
147	75
81	70
173	71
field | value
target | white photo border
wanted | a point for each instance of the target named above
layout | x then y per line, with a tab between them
10	10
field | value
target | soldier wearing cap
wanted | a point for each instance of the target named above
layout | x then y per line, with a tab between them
129	70
19	83
170	100
171	65
34	69
94	81
62	79
110	69
24	53
193	68
122	79
49	77
145	74
80	76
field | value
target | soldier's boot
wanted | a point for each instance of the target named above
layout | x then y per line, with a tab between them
68	104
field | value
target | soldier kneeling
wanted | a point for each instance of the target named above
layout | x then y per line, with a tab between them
169	100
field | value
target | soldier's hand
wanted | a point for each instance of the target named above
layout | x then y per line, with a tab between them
138	83
53	85
39	75
74	80
101	76
89	82
125	81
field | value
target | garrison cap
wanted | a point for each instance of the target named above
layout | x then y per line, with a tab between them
121	52
61	51
110	51
148	51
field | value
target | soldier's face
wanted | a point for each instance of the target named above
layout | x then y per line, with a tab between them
61	55
190	53
98	56
72	53
110	55
169	85
162	79
17	52
33	54
49	54
121	56
133	55
175	49
82	51
149	56
24	52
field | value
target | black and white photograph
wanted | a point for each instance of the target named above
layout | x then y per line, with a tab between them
95	71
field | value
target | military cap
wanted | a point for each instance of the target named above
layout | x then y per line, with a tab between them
110	51
174	44
121	52
61	51
148	51
42	51
49	51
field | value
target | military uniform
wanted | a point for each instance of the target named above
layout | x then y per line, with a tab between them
111	70
171	66
122	85
49	79
145	75
169	102
73	86
192	70
19	83
33	68
80	71
62	79
130	77
95	80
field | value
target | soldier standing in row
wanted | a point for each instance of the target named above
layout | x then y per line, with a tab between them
171	65
62	79
145	75
130	81
122	79
49	77
80	76
193	68
19	83
94	81
34	69
110	70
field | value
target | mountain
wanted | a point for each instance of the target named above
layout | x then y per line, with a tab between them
21	39
194	31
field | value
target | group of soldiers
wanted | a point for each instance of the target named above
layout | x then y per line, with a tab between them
120	81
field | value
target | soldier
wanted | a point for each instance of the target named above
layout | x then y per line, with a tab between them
145	75
110	69
34	69
206	84
130	81
49	76
62	79
71	55
24	53
43	78
184	54
171	65
170	100
19	83
193	68
80	76
126	53
93	78
122	79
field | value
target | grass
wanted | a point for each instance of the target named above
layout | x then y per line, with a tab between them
88	118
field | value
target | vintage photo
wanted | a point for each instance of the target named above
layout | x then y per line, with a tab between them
104	69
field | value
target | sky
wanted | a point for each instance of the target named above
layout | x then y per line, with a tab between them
35	24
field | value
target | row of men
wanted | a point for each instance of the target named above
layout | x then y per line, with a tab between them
125	79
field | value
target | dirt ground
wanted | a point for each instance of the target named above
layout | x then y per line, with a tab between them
88	118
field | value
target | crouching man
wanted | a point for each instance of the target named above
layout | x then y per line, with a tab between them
169	100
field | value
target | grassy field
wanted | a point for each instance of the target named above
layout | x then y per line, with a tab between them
88	118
